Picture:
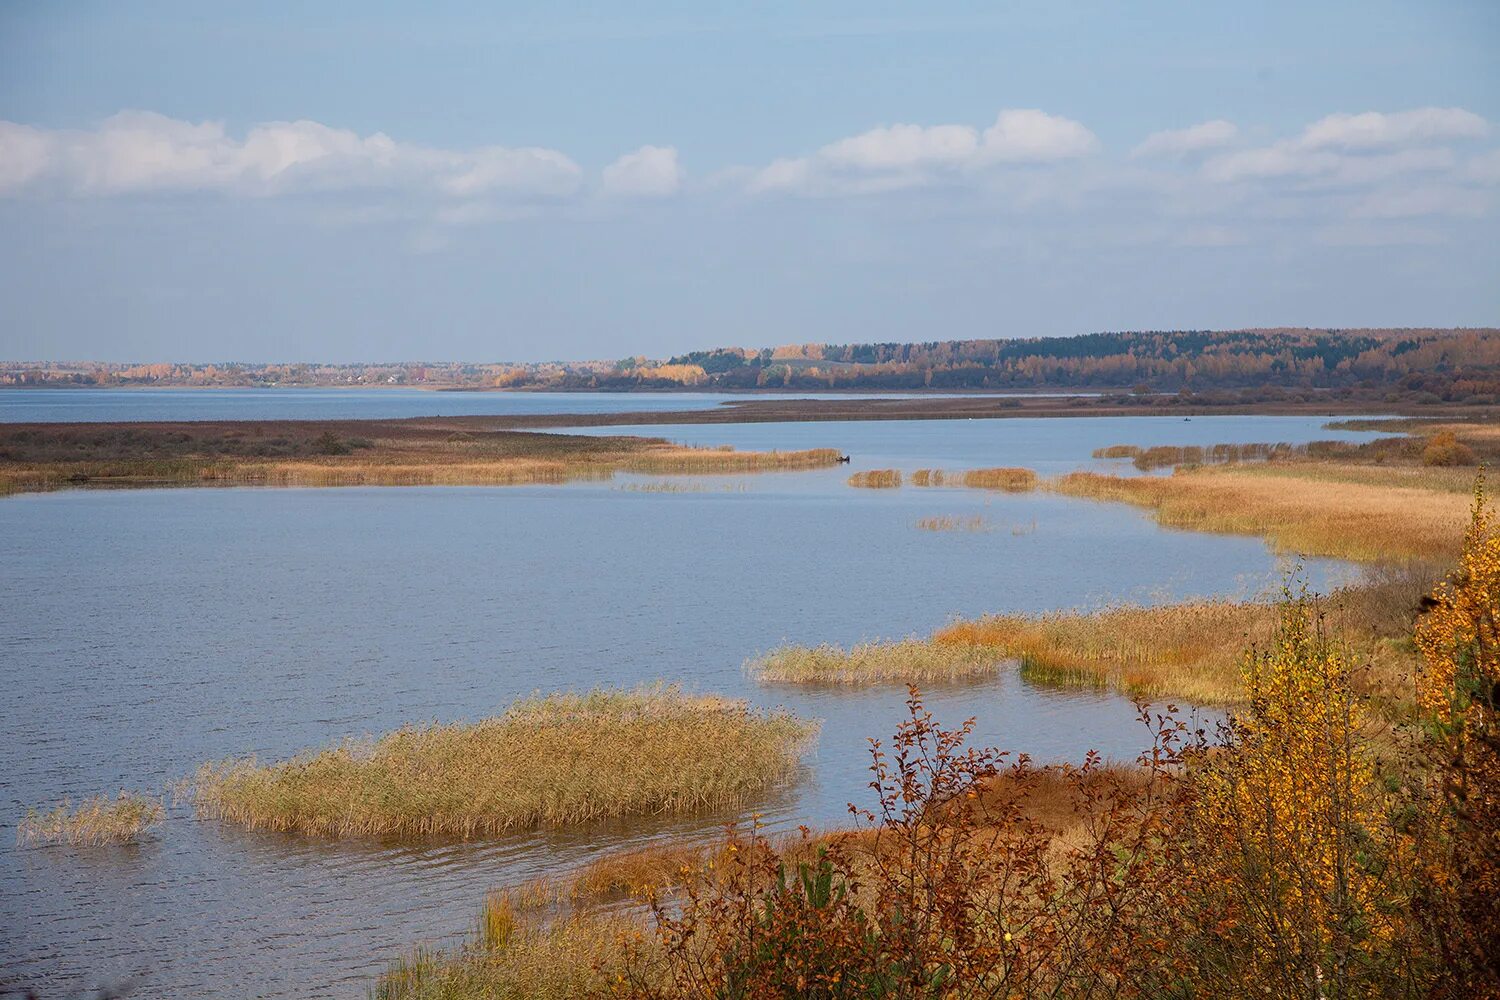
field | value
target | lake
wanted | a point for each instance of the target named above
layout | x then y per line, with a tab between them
144	632
19	405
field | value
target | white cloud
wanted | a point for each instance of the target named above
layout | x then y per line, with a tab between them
1028	135
902	147
901	156
1355	149
138	151
649	172
1374	130
1186	141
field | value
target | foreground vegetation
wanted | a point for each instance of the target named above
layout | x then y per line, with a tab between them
93	822
567	758
451	452
1300	849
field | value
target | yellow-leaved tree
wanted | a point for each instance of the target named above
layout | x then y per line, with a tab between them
1459	689
1289	868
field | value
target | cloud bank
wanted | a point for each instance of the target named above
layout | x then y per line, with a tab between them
1368	166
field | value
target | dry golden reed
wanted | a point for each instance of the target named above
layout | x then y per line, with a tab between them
1008	479
907	661
876	479
929	477
1191	650
1363	513
94	821
566	758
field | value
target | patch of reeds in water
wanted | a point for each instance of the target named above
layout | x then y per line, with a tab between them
1010	480
567	758
929	477
908	661
93	822
876	479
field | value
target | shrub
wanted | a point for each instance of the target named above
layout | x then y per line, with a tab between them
1444	448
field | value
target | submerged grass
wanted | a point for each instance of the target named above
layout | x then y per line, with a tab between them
94	821
562	759
951	522
912	661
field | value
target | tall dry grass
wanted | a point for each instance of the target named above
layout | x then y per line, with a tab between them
1190	651
911	661
1354	512
567	758
876	479
1010	480
92	822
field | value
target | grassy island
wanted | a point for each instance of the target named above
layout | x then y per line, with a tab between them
567	758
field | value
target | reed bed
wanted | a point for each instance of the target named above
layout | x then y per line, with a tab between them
908	661
929	477
1192	650
93	822
400	453
1189	651
1353	512
1008	479
876	479
563	759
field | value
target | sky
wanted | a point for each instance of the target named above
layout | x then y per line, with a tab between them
371	181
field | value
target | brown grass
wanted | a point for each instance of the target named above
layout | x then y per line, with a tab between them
912	661
1365	513
929	477
549	761
95	821
1009	480
1190	651
348	453
876	479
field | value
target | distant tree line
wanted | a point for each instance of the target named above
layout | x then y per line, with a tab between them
1431	364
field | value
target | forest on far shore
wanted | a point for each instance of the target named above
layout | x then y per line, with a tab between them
1423	365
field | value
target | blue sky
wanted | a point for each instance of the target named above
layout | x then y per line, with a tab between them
531	181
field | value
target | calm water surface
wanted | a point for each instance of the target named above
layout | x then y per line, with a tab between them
63	405
143	632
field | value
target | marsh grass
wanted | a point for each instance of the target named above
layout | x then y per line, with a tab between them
1364	513
93	822
339	453
563	759
911	660
929	477
1010	480
876	479
1190	651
